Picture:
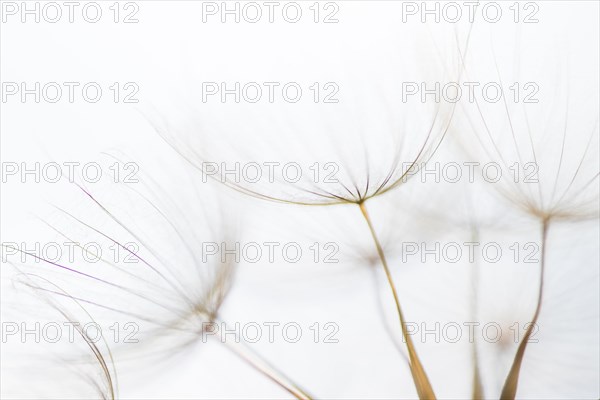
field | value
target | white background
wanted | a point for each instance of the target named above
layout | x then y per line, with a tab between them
368	54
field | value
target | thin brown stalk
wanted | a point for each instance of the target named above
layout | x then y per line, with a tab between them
477	388
261	365
509	390
424	389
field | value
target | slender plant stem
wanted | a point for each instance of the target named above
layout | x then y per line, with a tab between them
509	391
424	389
261	365
477	389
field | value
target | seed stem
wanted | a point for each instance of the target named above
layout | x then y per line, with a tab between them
424	389
261	365
509	391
